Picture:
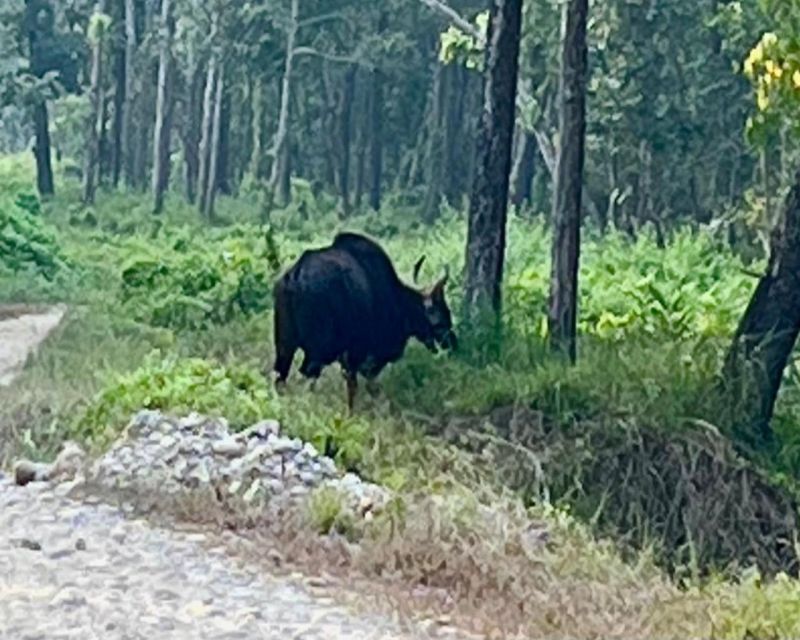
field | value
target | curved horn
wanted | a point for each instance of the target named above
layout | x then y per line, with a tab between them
417	267
438	288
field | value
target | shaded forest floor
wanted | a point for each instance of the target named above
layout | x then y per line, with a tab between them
627	447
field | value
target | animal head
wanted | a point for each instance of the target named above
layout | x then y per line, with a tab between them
438	323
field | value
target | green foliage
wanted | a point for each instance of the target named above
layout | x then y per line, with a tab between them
184	283
174	385
464	48
26	244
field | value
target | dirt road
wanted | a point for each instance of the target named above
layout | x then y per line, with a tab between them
84	570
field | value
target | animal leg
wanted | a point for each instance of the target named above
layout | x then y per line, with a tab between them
352	387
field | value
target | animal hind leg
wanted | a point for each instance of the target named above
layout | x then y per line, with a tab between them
285	346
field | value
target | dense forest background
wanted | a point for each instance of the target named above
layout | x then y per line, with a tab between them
615	181
354	98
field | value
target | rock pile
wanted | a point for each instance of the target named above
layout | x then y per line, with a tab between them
259	465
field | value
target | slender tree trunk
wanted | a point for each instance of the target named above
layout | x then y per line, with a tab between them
257	155
280	175
191	132
362	136
95	121
767	333
41	150
161	134
223	172
213	163
345	134
119	94
205	135
41	121
486	237
376	140
523	170
434	174
563	314
127	146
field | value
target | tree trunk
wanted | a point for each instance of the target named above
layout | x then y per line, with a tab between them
223	172
205	135
161	134
213	163
523	170
767	333
345	134
191	131
434	174
119	95
257	155
95	121
44	167
486	238
362	118
279	177
563	313
376	140
127	146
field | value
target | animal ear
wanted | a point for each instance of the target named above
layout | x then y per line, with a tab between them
417	267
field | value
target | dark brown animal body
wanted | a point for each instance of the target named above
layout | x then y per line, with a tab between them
345	303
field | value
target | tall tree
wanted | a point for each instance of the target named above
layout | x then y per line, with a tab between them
376	138
212	184
486	237
97	28
563	312
127	152
281	151
39	22
161	134
768	331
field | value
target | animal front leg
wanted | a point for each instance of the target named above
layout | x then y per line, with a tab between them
352	387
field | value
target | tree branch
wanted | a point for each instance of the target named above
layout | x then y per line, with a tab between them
452	16
332	57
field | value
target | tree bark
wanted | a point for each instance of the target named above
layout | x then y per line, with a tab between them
213	163
256	157
223	171
119	94
281	149
41	121
563	313
486	237
161	132
191	130
41	150
767	333
95	121
434	173
127	151
523	170
205	135
345	134
376	140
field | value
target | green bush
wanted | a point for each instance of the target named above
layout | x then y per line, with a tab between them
174	385
185	283
26	244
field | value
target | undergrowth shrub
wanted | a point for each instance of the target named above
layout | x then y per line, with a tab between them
178	386
185	283
26	244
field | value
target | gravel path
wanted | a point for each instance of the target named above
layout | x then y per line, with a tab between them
76	570
21	331
71	569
